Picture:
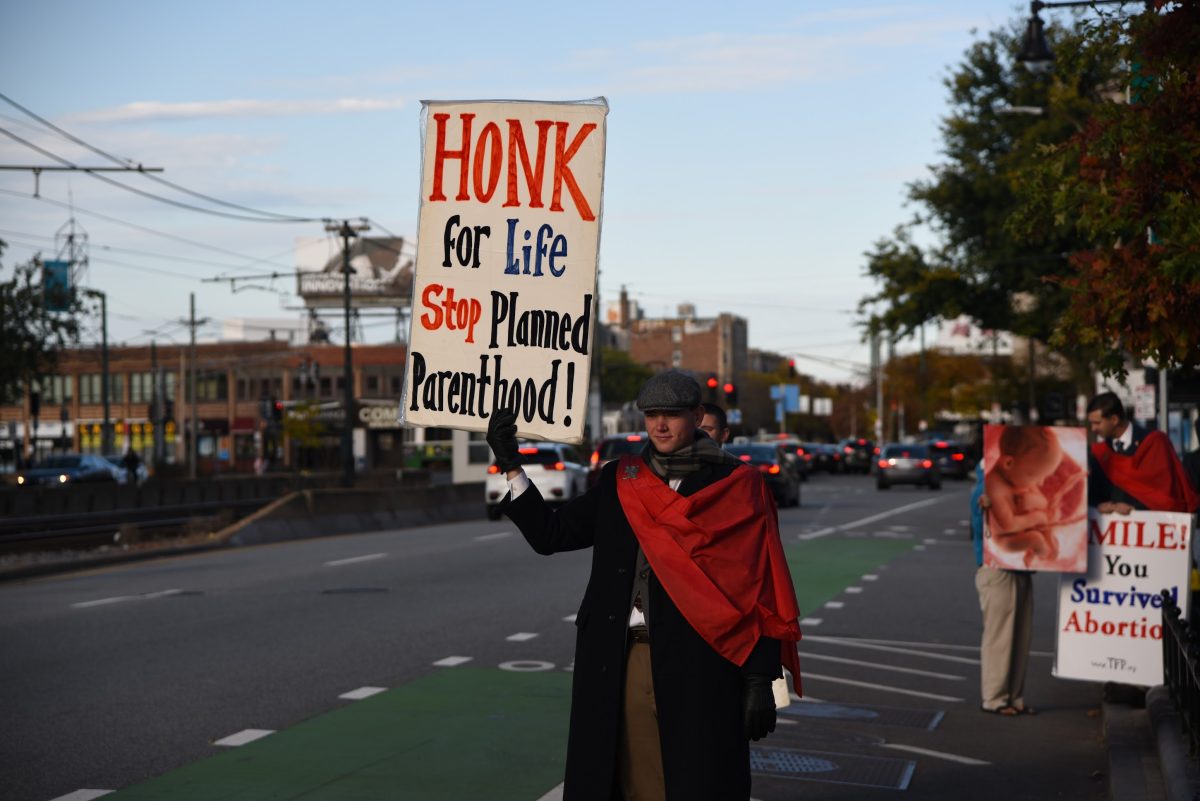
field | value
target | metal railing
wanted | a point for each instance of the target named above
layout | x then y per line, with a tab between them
1181	667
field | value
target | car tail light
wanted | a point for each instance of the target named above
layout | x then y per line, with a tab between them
927	464
958	457
527	451
862	442
634	438
876	451
848	449
940	444
883	463
559	466
595	458
745	457
836	456
773	469
493	470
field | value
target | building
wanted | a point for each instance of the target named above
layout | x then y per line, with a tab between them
701	345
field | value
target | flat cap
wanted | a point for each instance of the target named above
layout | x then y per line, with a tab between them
669	389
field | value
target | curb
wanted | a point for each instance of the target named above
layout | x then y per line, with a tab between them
1179	771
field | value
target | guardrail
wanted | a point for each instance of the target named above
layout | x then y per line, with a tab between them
1181	668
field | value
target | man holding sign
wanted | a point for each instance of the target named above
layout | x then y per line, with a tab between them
688	615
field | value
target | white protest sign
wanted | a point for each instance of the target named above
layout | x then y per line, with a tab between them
1110	619
505	277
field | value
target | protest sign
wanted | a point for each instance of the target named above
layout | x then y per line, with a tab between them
1110	618
505	277
1036	480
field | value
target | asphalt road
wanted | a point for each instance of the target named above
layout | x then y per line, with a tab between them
114	676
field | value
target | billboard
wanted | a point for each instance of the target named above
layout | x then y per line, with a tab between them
503	310
383	271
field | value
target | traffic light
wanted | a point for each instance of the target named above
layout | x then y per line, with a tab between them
791	368
277	410
731	394
712	380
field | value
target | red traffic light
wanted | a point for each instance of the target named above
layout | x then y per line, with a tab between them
728	388
712	382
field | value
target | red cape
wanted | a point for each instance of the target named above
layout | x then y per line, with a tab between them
1152	474
718	555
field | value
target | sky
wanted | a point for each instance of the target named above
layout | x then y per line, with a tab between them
755	150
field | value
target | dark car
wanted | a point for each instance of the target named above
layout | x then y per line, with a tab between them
907	464
770	460
799	459
614	447
824	457
951	458
67	468
857	454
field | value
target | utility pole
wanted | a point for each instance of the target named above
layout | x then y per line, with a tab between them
347	232
106	429
193	424
157	405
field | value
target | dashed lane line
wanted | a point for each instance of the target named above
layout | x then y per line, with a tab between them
499	535
834	604
809	656
882	687
810	621
870	577
852	590
122	598
83	795
873	518
570	618
244	736
370	557
936	754
452	661
362	692
521	636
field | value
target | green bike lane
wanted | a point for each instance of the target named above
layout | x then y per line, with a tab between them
456	732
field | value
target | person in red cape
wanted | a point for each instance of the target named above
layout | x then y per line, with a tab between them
689	612
1132	468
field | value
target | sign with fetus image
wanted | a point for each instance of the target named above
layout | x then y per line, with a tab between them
1035	478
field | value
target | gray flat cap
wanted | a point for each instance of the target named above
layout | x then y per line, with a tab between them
669	389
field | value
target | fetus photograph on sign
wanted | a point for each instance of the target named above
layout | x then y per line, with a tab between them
1035	481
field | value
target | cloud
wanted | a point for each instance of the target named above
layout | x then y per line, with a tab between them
152	110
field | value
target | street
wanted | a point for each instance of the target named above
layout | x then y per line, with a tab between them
454	645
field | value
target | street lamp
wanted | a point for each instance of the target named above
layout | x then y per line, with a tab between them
1035	53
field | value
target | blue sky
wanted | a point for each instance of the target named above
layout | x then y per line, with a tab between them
755	150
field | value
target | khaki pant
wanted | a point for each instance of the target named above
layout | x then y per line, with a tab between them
1006	599
640	771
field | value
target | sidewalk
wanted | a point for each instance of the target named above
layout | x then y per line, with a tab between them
1148	753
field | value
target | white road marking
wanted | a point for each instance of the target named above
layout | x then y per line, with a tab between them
936	754
873	518
526	666
873	647
884	687
964	522
362	692
554	795
870	577
918	547
810	621
950	531
243	737
452	661
499	535
121	598
834	604
355	559
931	541
901	528
853	590
570	618
521	636
875	665
83	795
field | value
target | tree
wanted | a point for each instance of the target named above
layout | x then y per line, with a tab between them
976	265
621	378
1126	188
31	337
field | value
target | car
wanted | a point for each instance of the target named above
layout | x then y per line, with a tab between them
824	457
770	460
554	468
951	458
614	447
857	454
907	464
120	472
66	468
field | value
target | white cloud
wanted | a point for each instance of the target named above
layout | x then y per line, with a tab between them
153	110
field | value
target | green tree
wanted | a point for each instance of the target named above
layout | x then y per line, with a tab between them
621	377
975	265
1126	189
31	337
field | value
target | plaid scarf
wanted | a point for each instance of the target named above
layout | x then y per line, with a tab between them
688	459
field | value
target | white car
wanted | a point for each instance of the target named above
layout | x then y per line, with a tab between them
555	469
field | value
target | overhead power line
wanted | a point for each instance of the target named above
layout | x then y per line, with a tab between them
127	162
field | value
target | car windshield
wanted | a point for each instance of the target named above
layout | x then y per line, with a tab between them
904	452
61	461
619	446
758	454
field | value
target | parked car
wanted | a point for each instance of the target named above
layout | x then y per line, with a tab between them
770	460
67	468
555	469
907	464
857	454
121	473
951	459
614	447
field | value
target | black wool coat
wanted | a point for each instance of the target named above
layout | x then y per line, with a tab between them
698	692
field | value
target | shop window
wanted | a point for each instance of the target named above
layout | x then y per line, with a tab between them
373	384
91	388
56	389
326	387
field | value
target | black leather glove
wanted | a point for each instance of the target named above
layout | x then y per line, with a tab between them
502	439
759	701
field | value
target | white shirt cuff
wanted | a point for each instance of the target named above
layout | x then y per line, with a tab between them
518	484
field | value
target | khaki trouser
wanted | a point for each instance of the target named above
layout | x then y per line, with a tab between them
640	771
1006	600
